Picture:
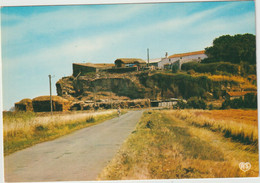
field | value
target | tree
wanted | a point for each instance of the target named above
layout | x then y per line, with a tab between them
235	49
175	67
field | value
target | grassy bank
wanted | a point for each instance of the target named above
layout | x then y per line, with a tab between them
243	129
165	146
24	129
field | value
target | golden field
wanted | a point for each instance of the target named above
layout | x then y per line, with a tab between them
170	144
24	129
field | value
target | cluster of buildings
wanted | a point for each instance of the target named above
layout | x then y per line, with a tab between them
122	65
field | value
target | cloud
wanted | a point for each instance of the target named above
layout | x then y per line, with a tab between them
86	47
65	19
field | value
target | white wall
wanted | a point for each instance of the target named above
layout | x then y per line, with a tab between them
184	59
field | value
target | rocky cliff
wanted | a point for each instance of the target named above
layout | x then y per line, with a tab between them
140	85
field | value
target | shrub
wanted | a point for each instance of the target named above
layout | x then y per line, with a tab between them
90	119
249	101
196	103
213	68
175	67
180	105
191	71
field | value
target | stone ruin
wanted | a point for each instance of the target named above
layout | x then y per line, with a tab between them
42	104
24	105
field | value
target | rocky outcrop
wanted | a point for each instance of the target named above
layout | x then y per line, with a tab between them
114	87
158	85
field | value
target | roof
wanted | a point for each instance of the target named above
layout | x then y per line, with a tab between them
155	60
237	94
131	60
47	98
101	65
24	101
187	54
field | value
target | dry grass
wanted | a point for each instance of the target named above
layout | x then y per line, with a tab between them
244	82
165	145
23	129
244	131
236	115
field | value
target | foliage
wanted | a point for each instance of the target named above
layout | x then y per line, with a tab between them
193	102
187	85
196	103
213	68
234	49
249	101
175	67
180	105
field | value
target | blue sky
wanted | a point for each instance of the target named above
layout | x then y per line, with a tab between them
38	41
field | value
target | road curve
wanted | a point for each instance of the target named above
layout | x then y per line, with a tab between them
78	156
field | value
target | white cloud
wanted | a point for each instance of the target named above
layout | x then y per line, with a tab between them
66	19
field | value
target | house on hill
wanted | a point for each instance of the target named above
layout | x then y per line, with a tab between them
83	68
182	58
154	62
130	62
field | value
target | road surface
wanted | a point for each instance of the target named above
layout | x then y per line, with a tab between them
75	157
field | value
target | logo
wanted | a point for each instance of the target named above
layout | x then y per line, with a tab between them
244	166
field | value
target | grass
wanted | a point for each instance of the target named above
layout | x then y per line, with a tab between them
244	82
166	146
24	129
240	125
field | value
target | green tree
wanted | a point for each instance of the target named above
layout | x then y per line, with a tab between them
235	49
175	67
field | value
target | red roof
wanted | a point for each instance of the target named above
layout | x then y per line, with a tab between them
187	54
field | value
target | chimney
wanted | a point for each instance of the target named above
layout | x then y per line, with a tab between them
166	55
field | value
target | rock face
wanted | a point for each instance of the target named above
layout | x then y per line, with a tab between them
100	88
158	85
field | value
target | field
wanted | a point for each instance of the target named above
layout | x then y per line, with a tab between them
170	144
24	129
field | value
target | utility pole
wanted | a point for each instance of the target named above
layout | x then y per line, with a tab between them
50	95
148	56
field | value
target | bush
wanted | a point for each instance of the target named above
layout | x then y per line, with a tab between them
175	68
90	119
249	101
213	68
191	71
196	103
180	105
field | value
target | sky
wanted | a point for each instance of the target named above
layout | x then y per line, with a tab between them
42	40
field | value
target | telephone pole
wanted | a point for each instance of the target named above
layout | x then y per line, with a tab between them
50	95
148	57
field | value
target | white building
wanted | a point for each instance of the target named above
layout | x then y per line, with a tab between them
182	58
154	61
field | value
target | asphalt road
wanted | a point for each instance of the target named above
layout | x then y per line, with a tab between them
75	157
